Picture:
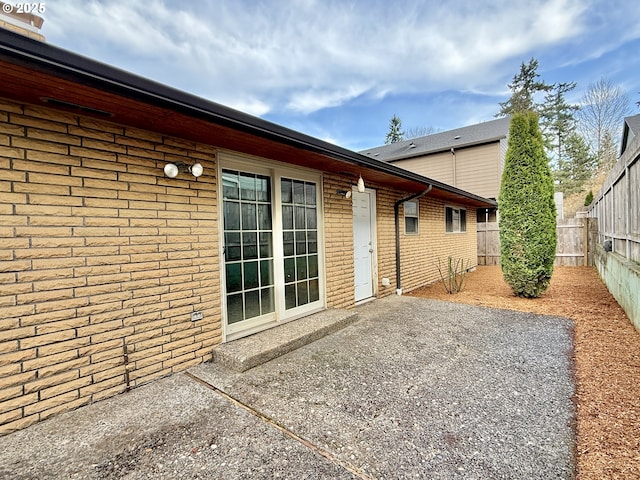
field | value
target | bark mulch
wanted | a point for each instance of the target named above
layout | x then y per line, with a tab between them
606	354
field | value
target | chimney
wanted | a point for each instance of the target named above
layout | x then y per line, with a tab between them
22	18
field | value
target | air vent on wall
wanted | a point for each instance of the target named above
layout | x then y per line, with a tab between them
75	107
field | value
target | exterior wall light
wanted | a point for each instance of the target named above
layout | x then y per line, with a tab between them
196	169
346	193
172	170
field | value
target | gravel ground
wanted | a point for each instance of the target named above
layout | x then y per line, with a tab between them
415	389
606	350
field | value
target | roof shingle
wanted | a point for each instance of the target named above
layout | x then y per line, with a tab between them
477	134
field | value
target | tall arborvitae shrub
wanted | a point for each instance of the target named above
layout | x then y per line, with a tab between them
527	211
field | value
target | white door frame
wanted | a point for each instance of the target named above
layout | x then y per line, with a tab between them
374	243
276	171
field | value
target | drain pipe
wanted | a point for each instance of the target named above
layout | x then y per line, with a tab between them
396	213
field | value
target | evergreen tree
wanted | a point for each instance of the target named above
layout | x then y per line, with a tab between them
575	167
557	120
588	200
395	133
527	210
607	154
523	88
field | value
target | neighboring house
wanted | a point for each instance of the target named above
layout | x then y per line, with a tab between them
470	158
13	17
630	130
141	226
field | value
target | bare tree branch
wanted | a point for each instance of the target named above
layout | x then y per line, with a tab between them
603	108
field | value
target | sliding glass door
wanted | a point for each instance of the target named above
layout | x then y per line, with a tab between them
271	247
300	242
248	245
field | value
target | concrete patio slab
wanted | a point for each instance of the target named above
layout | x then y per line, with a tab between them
414	389
425	389
174	428
245	353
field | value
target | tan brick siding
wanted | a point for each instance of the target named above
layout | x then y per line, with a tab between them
102	255
99	252
386	238
338	231
419	253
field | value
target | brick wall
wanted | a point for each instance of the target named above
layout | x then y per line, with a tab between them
386	238
419	253
99	253
338	231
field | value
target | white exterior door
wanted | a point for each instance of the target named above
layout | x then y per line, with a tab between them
363	244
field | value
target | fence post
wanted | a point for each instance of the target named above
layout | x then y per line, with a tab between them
585	240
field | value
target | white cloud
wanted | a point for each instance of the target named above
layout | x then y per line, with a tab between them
304	55
329	139
252	106
308	101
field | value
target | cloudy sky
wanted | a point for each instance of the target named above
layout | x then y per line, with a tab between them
339	69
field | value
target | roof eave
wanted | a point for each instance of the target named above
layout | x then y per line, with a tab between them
54	60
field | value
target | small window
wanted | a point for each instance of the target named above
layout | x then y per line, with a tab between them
456	220
486	215
411	217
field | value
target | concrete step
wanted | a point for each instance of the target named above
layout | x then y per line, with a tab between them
245	353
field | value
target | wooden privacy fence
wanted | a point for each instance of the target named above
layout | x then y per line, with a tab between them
574	234
617	205
488	243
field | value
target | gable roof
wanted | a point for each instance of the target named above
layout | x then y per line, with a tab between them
630	129
41	74
478	134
